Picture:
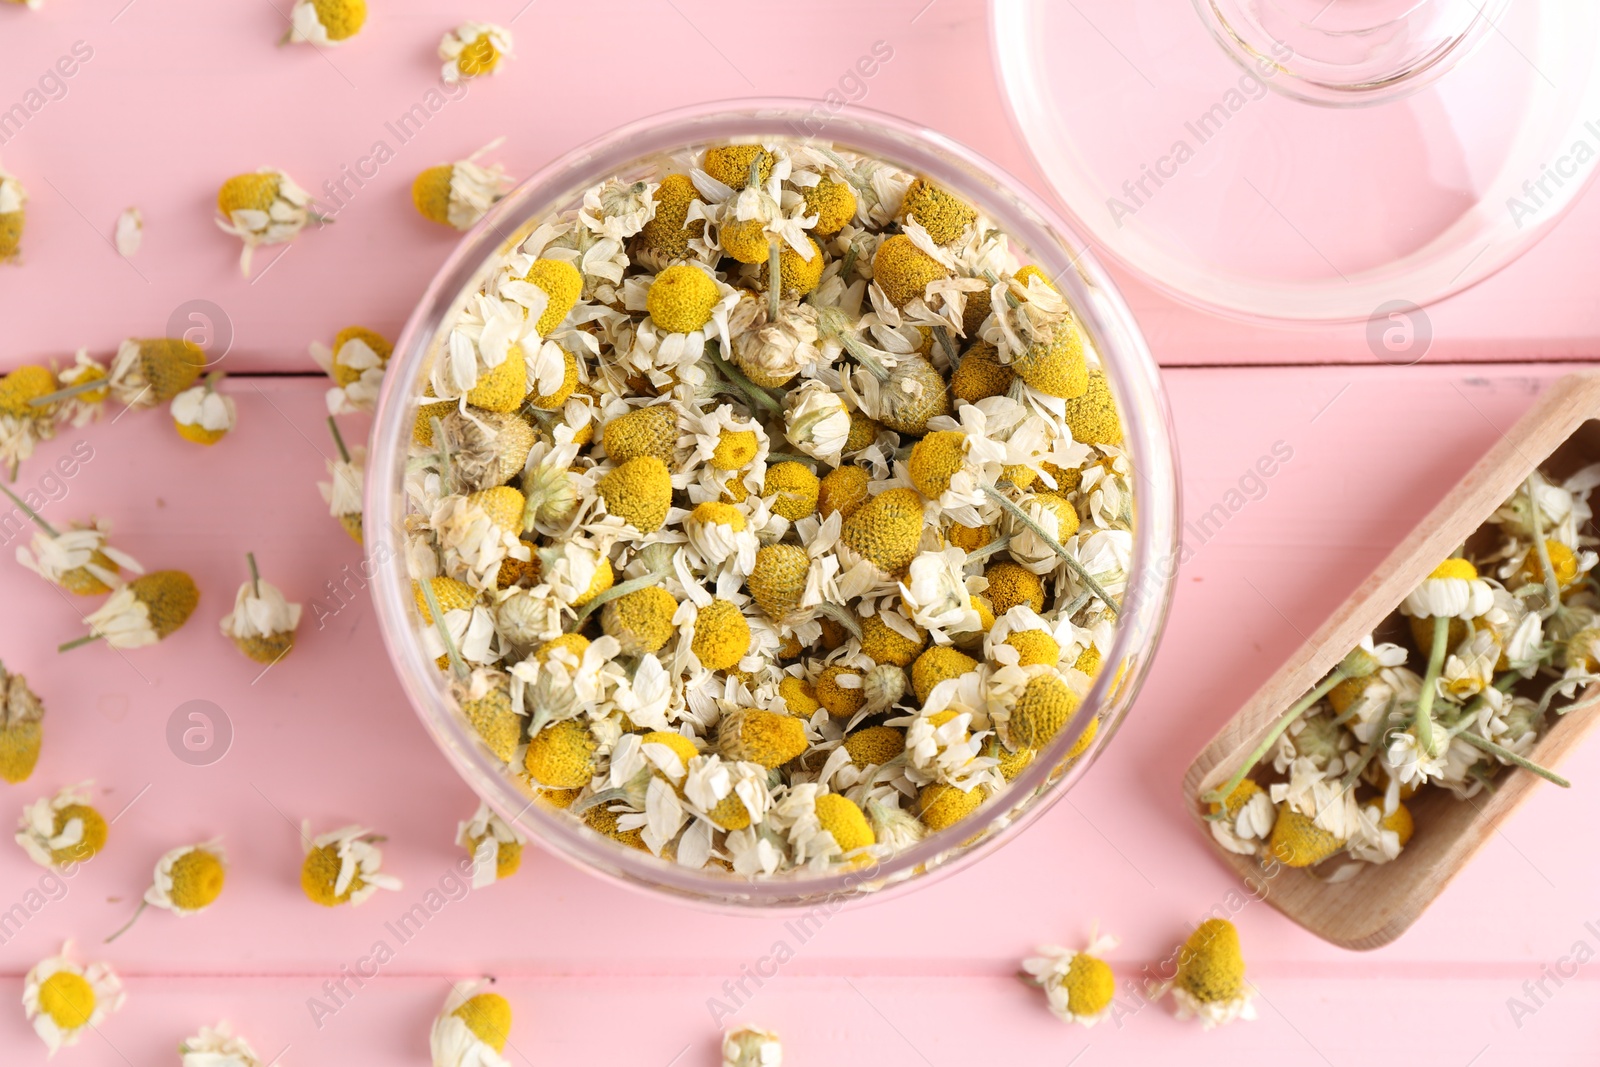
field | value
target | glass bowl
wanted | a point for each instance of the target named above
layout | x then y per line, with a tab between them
633	151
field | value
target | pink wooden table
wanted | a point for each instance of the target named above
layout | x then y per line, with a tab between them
180	93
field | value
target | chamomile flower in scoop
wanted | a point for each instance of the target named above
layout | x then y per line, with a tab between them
62	998
21	727
325	22
494	845
458	194
1078	985
143	612
77	559
151	371
262	622
355	363
266	207
472	1029
13	200
1210	982
343	866
218	1046
188	880
748	1046
62	830
346	478
203	415
473	50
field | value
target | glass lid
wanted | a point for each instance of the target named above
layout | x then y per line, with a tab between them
1307	160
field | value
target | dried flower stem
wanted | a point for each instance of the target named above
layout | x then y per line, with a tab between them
1430	685
338	439
1511	757
737	379
255	575
26	510
1552	587
143	904
1038	531
1301	706
456	665
66	391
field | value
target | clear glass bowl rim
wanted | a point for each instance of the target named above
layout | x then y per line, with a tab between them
1033	225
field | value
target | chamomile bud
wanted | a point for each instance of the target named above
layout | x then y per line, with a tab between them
816	421
883	643
794	487
562	285
639	492
935	460
944	215
262	623
1210	982
982	375
266	207
883	686
765	737
941	806
1297	841
203	415
21	727
1042	709
152	371
841	691
215	1046
459	194
62	830
144	611
13	202
485	702
1010	585
682	298
907	396
903	271
325	22
77	559
343	866
472	1029
473	50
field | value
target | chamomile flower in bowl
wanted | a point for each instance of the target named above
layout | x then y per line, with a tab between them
706	540
62	998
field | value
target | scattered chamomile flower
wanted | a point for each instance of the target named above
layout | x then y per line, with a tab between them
346	479
218	1046
21	727
63	830
1079	985
151	371
343	866
62	998
143	612
77	559
129	232
459	194
325	22
267	207
1210	983
188	880
13	202
203	415
749	1046
473	50
472	1029
355	363
262	622
494	845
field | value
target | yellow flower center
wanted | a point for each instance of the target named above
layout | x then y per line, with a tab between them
320	873
721	635
1090	985
1455	568
715	513
765	737
561	756
935	460
937	664
904	271
795	488
841	817
735	449
478	57
197	878
68	999
488	1016
431	193
94	834
1210	966
938	211
681	299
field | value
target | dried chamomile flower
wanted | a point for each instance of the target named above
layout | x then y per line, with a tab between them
13	201
203	415
262	623
21	727
143	612
129	233
1078	985
64	830
343	866
816	421
218	1046
459	194
77	559
62	998
188	880
472	1028
473	49
267	207
346	479
937	210
749	1046
355	363
152	371
325	22
1244	819
494	845
1210	984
